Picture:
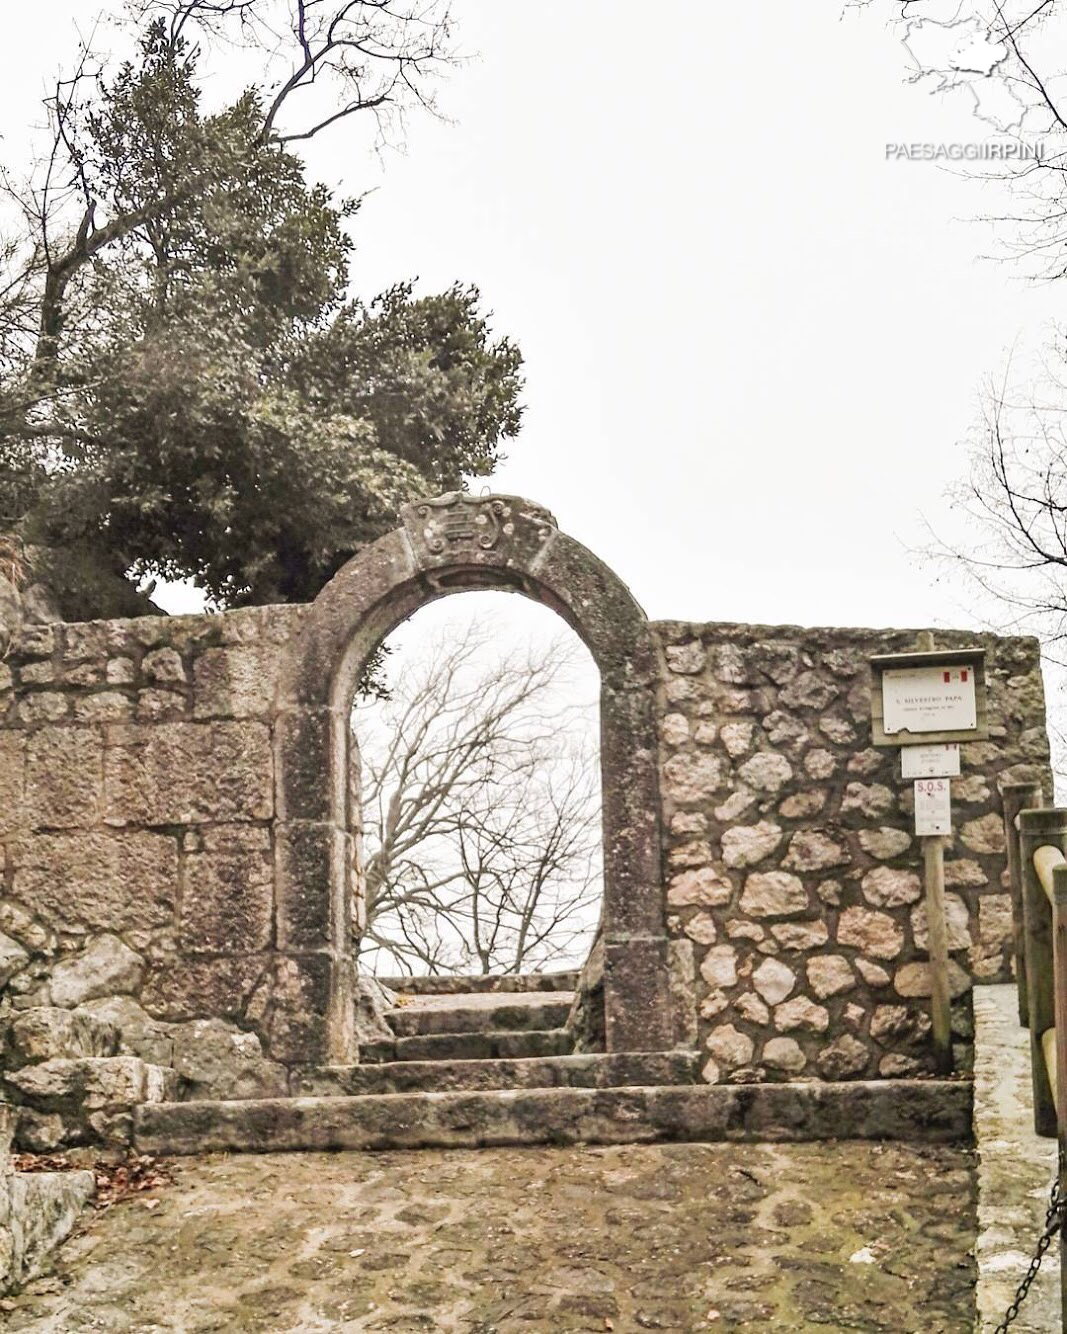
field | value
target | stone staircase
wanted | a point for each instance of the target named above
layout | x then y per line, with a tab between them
496	1066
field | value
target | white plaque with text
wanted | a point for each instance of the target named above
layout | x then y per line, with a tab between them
937	761
933	806
929	699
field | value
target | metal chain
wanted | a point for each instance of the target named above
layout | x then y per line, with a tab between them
1056	1206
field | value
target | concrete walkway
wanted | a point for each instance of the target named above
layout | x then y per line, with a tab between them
1014	1171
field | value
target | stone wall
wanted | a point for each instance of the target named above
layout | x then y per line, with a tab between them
139	902
794	890
136	810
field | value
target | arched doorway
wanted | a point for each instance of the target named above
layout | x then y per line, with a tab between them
445	545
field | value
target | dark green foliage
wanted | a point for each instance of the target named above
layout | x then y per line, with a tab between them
200	397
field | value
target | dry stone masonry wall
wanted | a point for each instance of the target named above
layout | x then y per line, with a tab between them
152	793
794	880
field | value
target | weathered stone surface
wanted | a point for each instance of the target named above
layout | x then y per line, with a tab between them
701	928
686	659
844	1058
737	738
774	980
41	1210
994	920
885	843
872	973
957	924
729	1046
693	777
773	894
829	975
913	979
964	873
749	1006
885	887
45	1032
12	780
213	1059
892	1023
819	764
800	935
812	850
809	691
675	729
228	897
106	881
12	958
705	887
766	772
104	968
869	800
188	773
64	776
984	835
139	1034
802	805
719	966
236	682
745	845
784	1054
801	1012
164	665
871	932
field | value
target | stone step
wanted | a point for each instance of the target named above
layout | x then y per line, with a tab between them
588	1070
930	1111
469	1046
452	984
479	1013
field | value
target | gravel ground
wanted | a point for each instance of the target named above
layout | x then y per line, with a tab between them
679	1237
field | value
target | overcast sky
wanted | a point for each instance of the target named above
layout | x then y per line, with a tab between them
753	345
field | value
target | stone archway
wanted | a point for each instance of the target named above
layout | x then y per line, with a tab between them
446	545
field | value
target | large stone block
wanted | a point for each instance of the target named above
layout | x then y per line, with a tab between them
310	871
106	967
237	682
227	900
64	777
188	773
105	881
12	780
310	749
204	988
46	1032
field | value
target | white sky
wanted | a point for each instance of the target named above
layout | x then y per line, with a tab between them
752	344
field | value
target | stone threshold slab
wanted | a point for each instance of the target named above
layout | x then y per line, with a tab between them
930	1111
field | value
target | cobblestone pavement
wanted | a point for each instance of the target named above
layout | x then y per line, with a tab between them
677	1237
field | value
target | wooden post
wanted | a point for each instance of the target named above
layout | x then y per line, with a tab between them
1059	952
1018	797
1036	829
940	1004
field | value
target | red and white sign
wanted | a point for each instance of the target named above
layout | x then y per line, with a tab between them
929	699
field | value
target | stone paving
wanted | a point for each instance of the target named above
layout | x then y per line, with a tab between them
852	1236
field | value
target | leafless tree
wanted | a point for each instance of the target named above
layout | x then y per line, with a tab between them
481	808
1017	48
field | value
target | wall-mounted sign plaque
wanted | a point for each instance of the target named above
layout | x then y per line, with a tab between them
930	761
929	699
918	699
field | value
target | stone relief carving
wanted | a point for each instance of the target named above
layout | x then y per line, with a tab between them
458	522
